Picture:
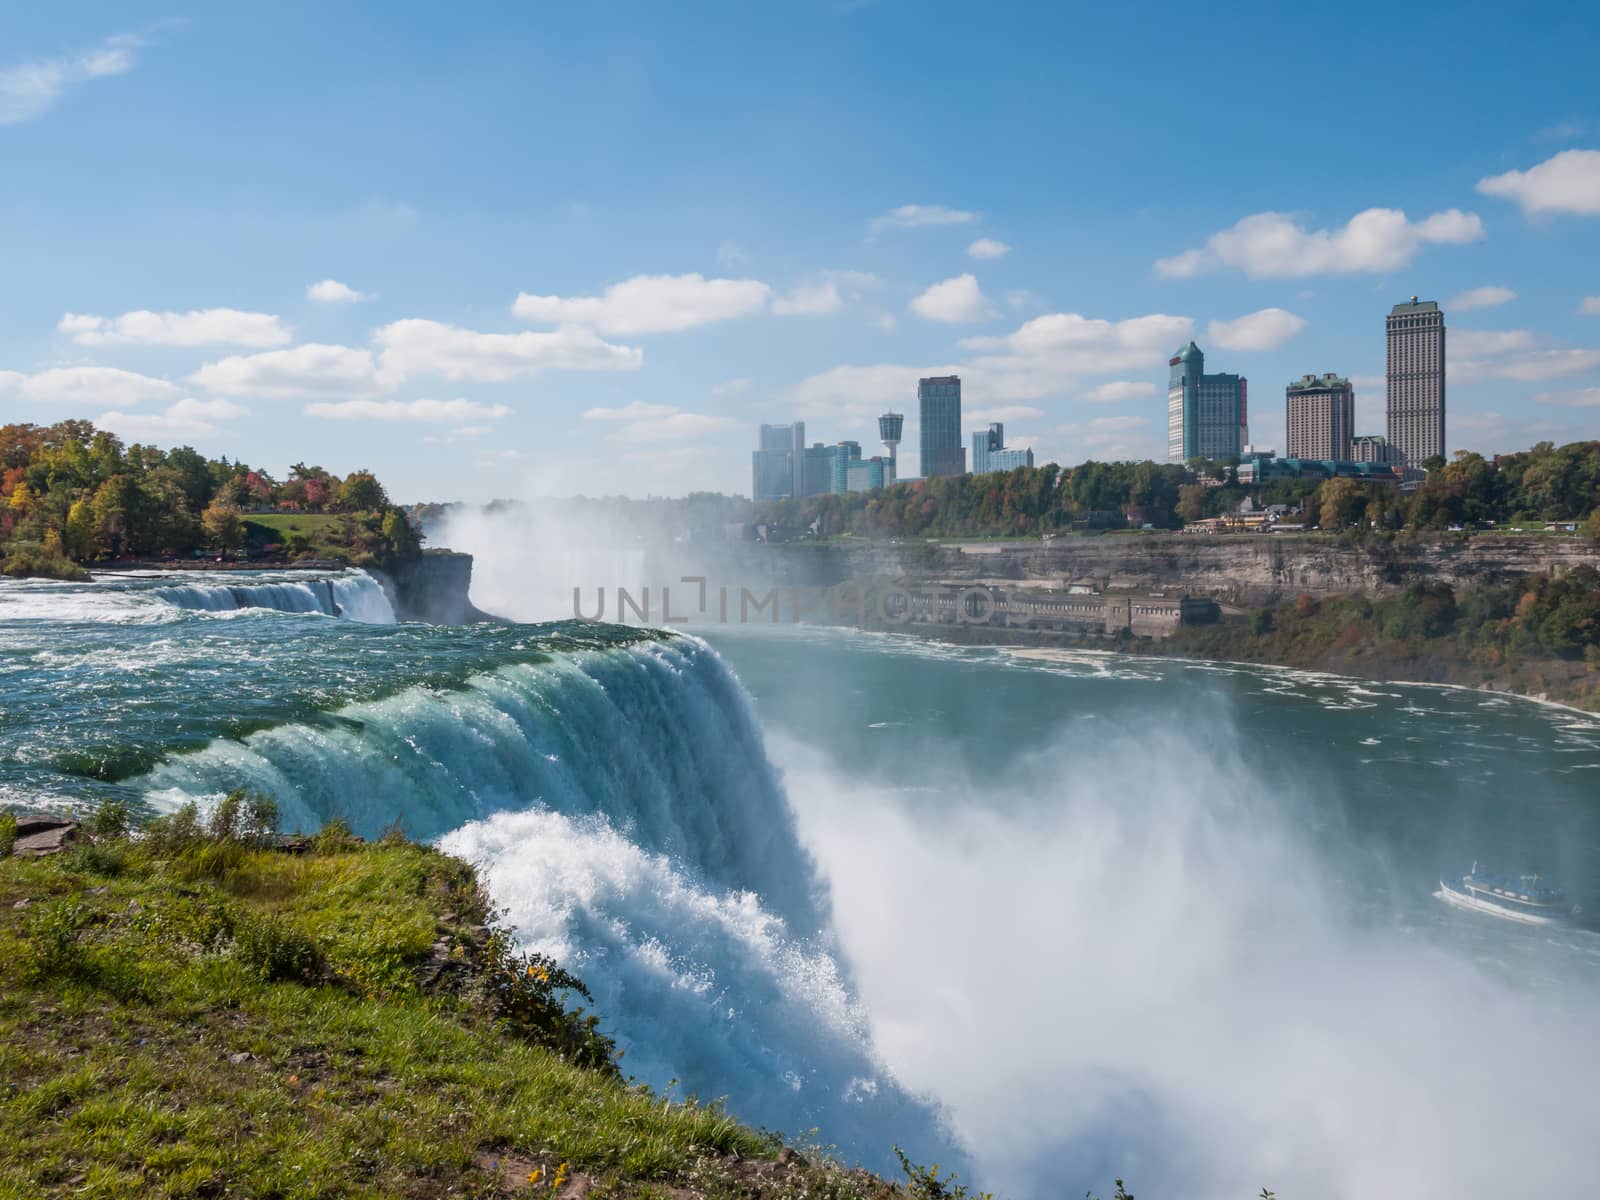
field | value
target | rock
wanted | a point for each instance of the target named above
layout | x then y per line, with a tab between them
239	1059
39	836
23	903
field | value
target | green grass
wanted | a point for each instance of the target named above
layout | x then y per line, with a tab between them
126	992
320	531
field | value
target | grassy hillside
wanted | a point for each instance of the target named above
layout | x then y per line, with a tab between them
192	1015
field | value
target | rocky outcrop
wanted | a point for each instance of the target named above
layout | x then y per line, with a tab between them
1242	569
38	836
434	588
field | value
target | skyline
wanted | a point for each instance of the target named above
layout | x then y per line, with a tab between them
587	271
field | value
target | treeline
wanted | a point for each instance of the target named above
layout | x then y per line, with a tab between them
1546	483
71	494
1539	634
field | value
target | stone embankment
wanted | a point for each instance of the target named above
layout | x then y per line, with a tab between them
1245	570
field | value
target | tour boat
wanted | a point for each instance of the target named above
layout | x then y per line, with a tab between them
1522	898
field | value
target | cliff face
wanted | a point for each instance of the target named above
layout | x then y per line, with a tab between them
433	588
1244	569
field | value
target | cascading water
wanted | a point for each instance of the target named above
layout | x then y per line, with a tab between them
623	806
354	595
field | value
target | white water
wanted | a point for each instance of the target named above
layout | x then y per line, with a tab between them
1147	970
116	598
354	595
625	812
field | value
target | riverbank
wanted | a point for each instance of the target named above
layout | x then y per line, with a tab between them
1349	636
204	1011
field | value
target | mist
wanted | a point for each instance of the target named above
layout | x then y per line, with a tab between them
529	557
1151	971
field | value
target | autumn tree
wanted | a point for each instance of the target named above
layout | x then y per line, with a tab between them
224	527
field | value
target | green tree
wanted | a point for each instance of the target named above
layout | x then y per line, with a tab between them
362	492
224	527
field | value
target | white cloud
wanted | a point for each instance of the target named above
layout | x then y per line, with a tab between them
809	300
1272	245
420	347
675	426
313	369
885	321
1003	412
640	422
953	301
1582	398
88	385
1590	307
1073	345
1264	330
1481	297
1108	438
650	304
858	394
1485	343
988	248
30	88
731	387
635	411
1120	390
730	256
408	410
198	327
1566	183
920	216
186	418
331	291
1529	368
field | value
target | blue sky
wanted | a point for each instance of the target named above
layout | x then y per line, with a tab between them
588	248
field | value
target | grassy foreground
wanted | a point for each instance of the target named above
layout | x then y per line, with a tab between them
189	1015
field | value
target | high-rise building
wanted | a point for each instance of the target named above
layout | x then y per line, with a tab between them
939	411
1009	460
869	474
1414	376
890	426
1371	447
985	442
1208	416
1320	416
989	452
777	466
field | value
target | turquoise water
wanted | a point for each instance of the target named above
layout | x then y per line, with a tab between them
1052	919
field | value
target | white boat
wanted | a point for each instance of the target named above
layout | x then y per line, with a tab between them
1521	898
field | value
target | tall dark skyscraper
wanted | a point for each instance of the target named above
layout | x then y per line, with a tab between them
1414	378
1207	415
939	411
1320	417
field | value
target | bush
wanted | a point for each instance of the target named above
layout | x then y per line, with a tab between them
111	820
8	833
524	991
242	816
175	831
29	561
335	838
275	949
50	948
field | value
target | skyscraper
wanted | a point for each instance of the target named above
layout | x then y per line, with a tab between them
1320	416
1414	377
990	439
1207	415
777	466
939	410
